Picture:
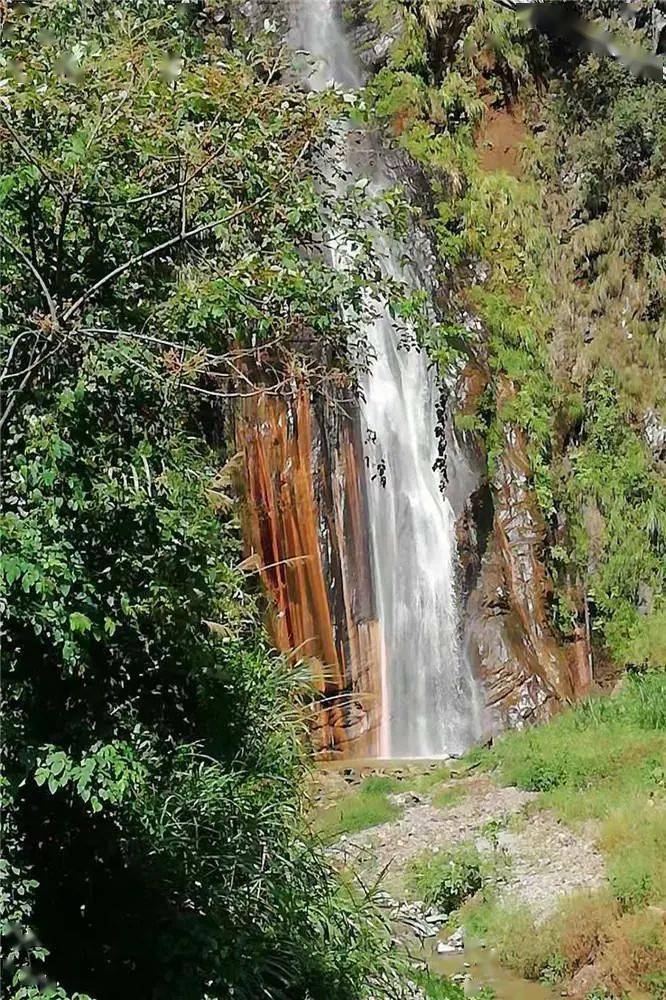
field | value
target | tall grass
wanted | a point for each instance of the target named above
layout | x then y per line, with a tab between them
627	950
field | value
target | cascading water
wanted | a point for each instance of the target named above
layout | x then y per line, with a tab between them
430	701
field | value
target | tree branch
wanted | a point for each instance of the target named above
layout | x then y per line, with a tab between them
175	241
45	289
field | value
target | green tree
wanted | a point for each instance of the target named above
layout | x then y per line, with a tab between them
162	255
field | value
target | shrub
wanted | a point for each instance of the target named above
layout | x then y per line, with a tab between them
446	879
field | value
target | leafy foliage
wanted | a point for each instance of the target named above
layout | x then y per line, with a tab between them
446	879
161	255
571	239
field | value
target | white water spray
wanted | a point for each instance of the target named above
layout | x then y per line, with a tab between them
430	700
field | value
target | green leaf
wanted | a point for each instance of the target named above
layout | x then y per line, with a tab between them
79	622
58	764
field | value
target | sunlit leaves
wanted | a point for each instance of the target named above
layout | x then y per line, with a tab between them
155	770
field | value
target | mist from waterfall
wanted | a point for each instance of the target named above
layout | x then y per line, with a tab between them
431	706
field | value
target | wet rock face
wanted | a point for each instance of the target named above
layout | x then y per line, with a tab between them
372	39
525	673
650	15
305	526
473	531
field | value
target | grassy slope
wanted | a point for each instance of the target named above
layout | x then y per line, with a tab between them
603	762
366	807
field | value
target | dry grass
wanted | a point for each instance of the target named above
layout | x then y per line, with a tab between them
624	952
634	956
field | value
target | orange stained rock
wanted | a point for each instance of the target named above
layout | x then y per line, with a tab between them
304	519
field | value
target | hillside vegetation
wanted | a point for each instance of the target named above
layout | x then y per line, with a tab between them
548	169
163	211
603	766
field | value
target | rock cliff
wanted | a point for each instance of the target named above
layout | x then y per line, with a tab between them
306	533
306	525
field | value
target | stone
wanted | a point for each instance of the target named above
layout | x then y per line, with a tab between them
445	949
457	939
654	431
584	981
526	674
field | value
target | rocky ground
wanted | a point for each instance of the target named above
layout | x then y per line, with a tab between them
546	860
541	861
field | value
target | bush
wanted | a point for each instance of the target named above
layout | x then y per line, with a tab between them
153	842
446	879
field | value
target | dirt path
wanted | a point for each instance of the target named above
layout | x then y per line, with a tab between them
546	859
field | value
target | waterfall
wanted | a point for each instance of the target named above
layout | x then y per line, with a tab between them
431	706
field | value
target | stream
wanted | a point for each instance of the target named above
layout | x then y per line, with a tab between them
484	969
476	966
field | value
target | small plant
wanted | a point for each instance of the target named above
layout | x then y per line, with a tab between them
447	878
435	987
485	993
632	880
555	970
492	829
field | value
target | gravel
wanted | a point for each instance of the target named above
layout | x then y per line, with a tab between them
547	860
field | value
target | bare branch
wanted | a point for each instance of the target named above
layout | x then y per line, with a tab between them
236	352
12	347
45	289
28	373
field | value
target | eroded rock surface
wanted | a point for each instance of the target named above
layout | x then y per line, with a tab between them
306	532
526	674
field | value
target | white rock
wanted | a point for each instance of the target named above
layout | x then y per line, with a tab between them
457	940
444	948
